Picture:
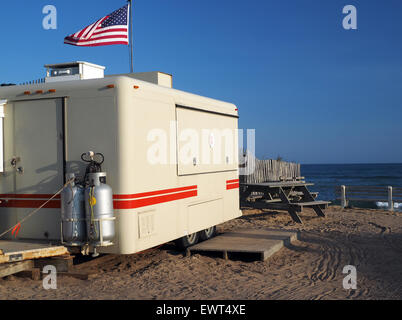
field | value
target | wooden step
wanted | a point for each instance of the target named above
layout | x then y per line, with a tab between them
310	204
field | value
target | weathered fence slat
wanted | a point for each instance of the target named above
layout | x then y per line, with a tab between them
268	170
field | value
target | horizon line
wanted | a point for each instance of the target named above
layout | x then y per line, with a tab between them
354	163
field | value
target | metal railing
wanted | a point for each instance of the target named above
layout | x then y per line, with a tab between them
388	195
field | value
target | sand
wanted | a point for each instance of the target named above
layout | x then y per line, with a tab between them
311	268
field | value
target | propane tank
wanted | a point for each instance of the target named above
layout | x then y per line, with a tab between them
99	210
73	213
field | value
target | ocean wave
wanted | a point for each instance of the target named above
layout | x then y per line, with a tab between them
385	205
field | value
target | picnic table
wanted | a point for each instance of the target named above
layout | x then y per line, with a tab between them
292	196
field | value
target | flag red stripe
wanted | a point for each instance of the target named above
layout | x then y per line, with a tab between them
93	40
101	44
123	30
104	37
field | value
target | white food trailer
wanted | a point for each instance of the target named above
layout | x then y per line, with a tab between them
170	157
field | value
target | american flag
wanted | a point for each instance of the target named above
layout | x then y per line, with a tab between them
112	29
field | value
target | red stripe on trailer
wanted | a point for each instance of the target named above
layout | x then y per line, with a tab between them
153	193
33	204
233	186
232	181
139	203
28	196
133	201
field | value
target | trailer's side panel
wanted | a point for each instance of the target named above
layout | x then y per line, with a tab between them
154	204
148	194
91	124
206	141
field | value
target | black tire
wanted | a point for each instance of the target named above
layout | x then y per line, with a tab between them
187	241
208	233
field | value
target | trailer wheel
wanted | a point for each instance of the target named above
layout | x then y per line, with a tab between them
187	241
208	233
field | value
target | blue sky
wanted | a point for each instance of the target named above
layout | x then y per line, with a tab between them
314	92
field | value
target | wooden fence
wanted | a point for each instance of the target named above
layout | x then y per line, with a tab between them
257	171
368	194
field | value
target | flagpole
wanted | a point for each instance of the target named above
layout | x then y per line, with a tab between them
131	35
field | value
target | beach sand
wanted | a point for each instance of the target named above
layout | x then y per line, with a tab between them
311	268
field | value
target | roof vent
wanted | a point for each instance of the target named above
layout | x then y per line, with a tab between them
155	77
79	70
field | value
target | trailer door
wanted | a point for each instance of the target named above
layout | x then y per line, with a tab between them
35	160
206	141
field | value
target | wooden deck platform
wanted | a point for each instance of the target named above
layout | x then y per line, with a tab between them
260	243
14	251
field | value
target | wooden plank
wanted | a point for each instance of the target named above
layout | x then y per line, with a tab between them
364	188
290	209
280	206
262	243
82	275
34	274
371	196
367	200
62	263
309	198
368	192
8	269
14	251
311	203
278	184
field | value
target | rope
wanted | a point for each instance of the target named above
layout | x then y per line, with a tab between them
36	210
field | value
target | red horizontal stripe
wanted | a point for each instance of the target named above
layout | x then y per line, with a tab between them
104	37
99	31
28	196
153	193
233	186
133	204
98	39
53	204
101	44
231	181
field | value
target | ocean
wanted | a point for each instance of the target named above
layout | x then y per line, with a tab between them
328	176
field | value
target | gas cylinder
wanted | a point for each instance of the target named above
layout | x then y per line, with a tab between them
99	210
73	213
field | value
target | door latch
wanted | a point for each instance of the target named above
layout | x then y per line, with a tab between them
14	161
